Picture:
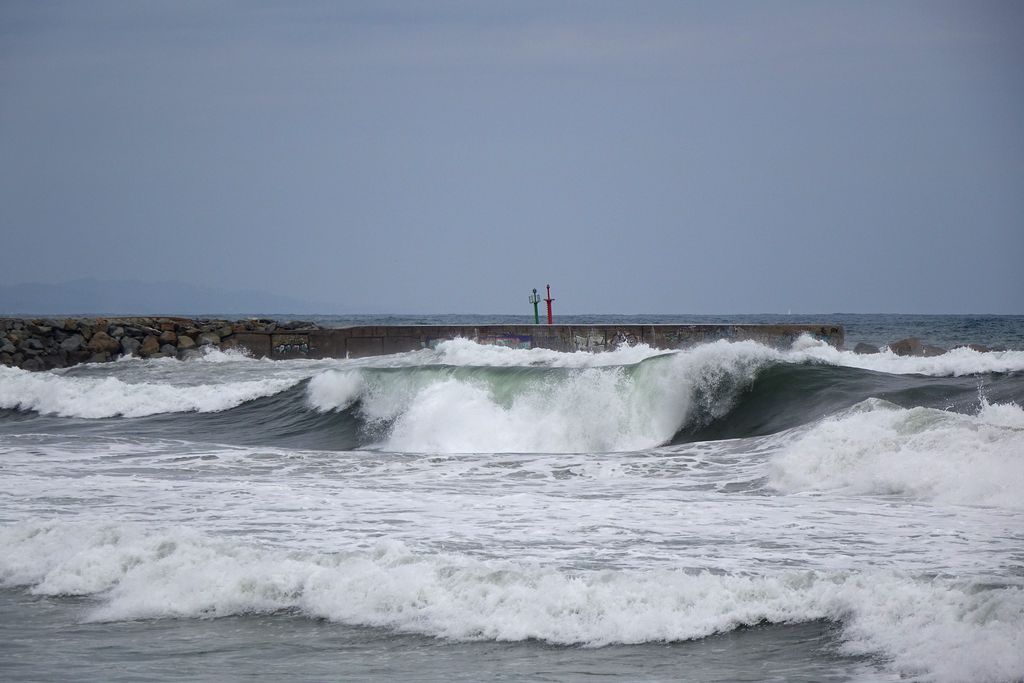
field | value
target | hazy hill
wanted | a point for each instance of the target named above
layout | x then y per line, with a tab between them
133	297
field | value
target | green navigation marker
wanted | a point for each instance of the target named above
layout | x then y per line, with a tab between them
535	299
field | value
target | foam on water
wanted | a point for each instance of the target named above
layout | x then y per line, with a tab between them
54	394
937	628
879	448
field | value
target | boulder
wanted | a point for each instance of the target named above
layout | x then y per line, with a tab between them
7	347
912	346
130	346
31	344
32	364
225	330
150	346
189	354
101	357
101	342
72	343
186	342
208	338
115	331
168	337
864	349
82	355
168	350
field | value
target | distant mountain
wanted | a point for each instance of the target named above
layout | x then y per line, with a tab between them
133	297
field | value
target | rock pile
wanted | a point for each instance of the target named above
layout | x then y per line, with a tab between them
912	346
43	344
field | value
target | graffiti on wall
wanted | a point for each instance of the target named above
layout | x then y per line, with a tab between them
288	344
509	341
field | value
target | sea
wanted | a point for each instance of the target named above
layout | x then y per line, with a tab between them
727	512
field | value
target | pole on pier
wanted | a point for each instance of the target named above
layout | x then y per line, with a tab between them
549	300
535	299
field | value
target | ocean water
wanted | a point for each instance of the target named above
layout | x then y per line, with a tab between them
723	513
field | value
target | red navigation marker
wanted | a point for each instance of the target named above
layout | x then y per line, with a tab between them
549	300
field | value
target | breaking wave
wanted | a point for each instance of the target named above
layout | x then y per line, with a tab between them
465	397
941	629
877	448
451	409
54	394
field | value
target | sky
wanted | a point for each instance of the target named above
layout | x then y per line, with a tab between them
417	157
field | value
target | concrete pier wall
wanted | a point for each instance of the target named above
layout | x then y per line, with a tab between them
358	342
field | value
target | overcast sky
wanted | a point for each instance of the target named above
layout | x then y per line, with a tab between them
676	157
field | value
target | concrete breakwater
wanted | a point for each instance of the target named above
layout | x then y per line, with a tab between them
42	344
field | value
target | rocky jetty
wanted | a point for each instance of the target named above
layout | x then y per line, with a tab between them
42	344
912	346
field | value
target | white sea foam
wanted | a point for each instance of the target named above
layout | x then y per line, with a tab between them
954	363
54	394
879	448
939	629
211	354
334	389
465	352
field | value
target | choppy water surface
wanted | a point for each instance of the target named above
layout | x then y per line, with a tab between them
728	512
